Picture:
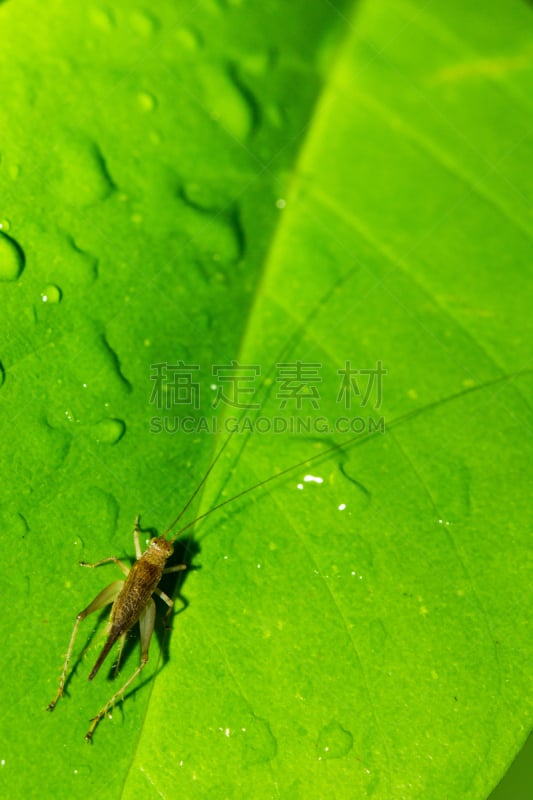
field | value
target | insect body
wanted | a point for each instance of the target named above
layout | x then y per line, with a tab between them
132	602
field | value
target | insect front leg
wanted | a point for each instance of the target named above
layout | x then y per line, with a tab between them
106	596
136	539
120	564
146	624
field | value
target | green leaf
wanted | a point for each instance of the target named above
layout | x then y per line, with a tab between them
340	185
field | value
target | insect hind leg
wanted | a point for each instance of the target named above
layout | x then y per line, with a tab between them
146	624
106	596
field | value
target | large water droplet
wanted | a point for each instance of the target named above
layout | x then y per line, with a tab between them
12	258
334	741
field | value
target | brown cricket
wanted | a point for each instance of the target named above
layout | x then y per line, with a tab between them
132	600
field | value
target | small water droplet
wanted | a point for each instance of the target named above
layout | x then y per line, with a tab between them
281	203
109	431
146	101
101	18
17	525
144	23
334	741
189	38
12	258
84	770
51	294
5	225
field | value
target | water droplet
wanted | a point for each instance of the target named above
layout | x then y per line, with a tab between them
203	196
146	101
81	177
101	18
83	265
259	745
78	542
222	241
334	741
229	102
281	203
189	38
84	770
51	294
143	23
5	225
12	258
108	431
17	525
114	361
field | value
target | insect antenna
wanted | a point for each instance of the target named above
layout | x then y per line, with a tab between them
202	482
358	439
341	446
